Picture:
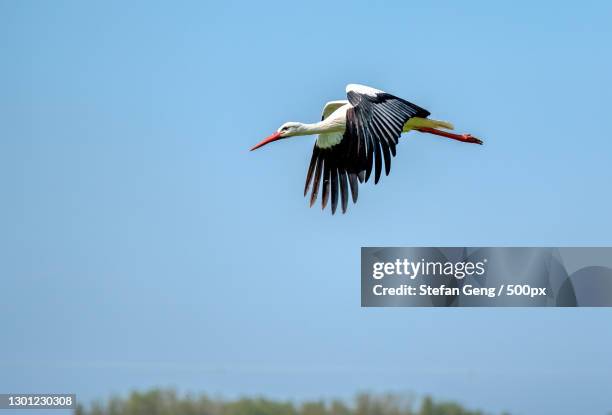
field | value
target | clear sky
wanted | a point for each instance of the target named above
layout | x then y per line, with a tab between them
142	245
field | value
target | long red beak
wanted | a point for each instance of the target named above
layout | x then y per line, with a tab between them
273	137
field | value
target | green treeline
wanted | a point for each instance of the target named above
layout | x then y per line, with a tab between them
167	402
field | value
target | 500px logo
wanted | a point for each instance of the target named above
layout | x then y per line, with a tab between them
413	269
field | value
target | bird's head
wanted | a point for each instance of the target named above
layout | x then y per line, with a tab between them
288	129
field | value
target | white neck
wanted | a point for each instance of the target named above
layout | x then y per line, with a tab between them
321	127
309	129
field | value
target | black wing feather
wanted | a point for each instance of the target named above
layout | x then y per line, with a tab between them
354	184
315	184
386	156
313	164
343	189
377	161
334	189
325	194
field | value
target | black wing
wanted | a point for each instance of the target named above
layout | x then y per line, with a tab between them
373	127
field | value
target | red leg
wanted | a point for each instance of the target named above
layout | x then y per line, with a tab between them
466	138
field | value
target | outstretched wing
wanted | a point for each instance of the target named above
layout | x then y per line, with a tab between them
373	126
375	122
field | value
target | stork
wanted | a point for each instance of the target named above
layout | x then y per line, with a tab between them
354	137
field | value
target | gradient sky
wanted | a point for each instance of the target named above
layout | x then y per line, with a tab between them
142	244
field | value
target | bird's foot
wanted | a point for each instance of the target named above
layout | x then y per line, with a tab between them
469	138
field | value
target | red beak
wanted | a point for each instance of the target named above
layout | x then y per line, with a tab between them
273	137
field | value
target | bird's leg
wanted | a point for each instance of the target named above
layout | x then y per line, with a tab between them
466	138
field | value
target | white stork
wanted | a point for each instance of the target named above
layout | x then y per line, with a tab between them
356	135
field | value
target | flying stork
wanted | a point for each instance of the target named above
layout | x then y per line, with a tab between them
355	136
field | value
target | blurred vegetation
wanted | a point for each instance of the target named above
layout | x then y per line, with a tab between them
167	402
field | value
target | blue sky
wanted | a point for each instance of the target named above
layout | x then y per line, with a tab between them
143	245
